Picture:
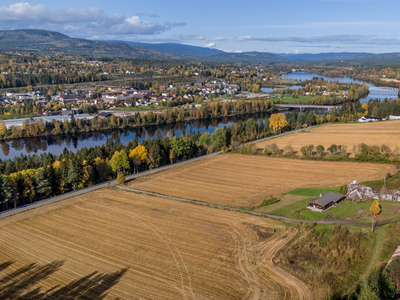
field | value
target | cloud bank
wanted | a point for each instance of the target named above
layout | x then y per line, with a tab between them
87	22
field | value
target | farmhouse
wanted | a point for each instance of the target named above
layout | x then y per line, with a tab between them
325	201
386	194
366	119
356	191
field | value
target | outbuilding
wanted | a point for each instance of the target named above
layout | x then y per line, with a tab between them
104	115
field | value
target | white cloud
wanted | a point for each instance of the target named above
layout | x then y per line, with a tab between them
84	22
210	45
219	39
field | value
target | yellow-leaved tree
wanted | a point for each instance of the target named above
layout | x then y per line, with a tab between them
375	209
277	122
138	156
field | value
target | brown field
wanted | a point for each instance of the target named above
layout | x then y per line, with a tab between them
349	135
112	244
244	180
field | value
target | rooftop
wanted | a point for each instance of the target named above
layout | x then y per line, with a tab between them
326	198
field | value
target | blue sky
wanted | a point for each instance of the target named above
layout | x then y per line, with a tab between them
280	26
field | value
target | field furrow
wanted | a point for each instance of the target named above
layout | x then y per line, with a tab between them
114	244
244	180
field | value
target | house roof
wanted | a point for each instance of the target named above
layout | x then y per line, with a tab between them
384	190
104	114
326	198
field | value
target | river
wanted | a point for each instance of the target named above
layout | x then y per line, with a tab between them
56	144
300	76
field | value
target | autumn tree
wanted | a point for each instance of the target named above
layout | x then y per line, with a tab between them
119	161
3	128
138	156
375	209
277	122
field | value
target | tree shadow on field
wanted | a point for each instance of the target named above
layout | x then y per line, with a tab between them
19	284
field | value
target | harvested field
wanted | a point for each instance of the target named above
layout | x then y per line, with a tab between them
113	244
349	135
245	180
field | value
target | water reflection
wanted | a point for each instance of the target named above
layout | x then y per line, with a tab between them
374	94
56	144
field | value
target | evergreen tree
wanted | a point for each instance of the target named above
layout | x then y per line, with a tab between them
43	185
6	191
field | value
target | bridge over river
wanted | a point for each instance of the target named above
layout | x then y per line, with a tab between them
377	88
305	106
383	96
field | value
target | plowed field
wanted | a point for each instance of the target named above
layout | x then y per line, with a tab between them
244	180
349	135
113	244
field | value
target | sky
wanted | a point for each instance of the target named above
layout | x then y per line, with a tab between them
278	26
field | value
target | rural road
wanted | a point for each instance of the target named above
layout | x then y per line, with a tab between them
114	183
254	213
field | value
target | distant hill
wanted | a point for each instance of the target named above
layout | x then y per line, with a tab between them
50	42
383	57
174	48
331	56
344	56
249	57
44	41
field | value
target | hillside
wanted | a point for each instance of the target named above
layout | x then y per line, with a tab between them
249	57
331	56
50	42
43	41
174	48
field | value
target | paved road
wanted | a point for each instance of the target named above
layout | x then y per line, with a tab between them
114	183
260	214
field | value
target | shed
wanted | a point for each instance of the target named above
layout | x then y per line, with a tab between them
104	115
325	201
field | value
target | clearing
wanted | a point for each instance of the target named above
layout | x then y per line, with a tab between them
349	135
245	180
112	244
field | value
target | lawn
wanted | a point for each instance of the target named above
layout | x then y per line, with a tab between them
346	210
291	99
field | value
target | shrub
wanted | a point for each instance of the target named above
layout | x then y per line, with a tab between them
121	178
269	201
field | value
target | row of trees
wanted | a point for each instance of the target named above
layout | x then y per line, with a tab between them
28	179
362	152
210	110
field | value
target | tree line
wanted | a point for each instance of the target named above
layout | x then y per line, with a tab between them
26	179
214	109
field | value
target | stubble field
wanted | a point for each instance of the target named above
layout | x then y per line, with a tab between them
245	180
349	135
112	244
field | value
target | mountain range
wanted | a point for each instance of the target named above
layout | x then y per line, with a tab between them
50	42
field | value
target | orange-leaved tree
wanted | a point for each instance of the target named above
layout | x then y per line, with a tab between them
277	122
375	209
